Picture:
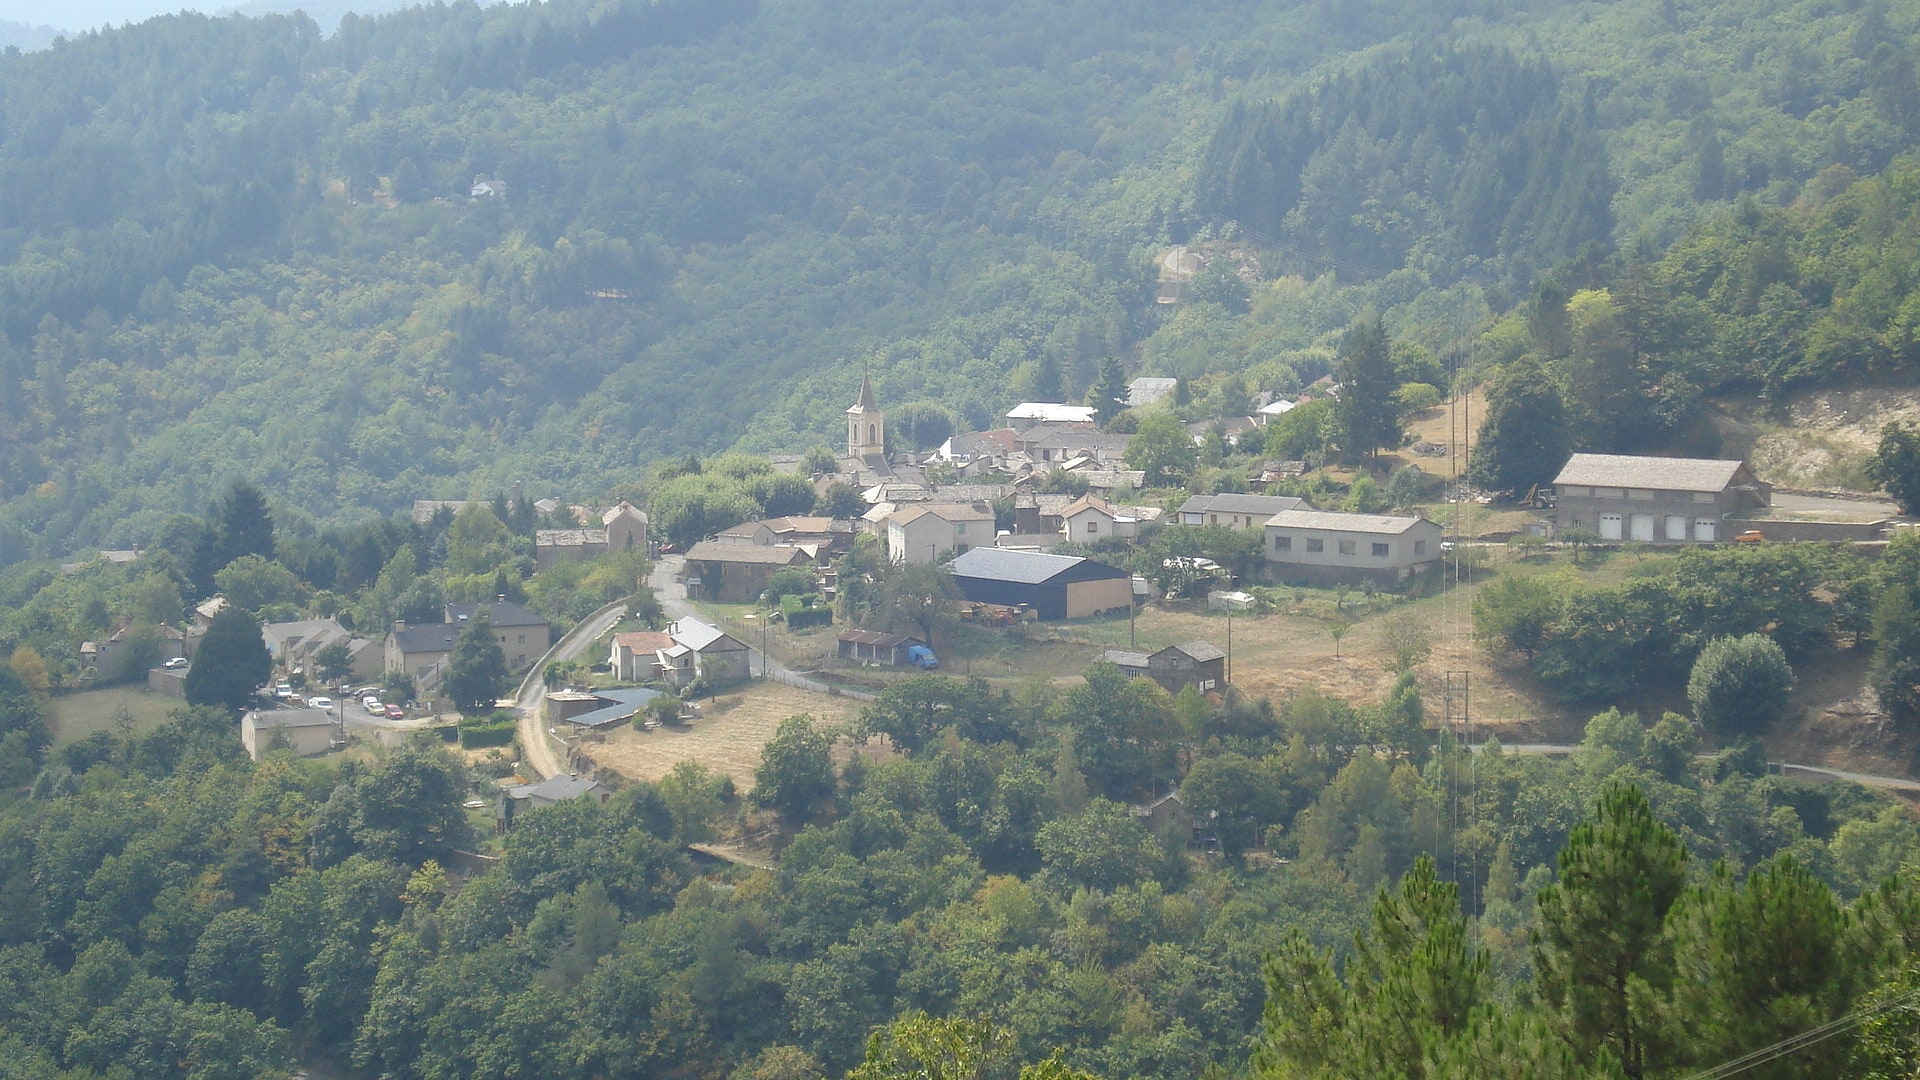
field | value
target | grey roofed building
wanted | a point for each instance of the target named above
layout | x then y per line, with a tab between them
1237	511
1659	473
498	612
1052	586
1654	499
1335	521
615	706
1148	389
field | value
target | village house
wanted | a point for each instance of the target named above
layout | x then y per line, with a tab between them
922	532
421	652
818	534
1090	519
640	656
621	528
307	732
736	573
292	646
1321	547
711	654
1235	511
1030	414
1654	500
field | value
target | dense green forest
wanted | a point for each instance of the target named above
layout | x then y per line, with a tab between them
175	910
237	246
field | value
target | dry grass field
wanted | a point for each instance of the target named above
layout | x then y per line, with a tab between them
75	716
726	738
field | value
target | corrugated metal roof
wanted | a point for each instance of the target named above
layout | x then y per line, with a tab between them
1332	521
876	639
1655	473
1026	567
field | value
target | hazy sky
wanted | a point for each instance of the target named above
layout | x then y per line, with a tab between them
88	14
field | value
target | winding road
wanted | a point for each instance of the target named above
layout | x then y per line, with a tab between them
536	746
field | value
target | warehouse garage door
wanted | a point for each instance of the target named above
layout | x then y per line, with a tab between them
1641	527
1676	527
1610	527
1704	530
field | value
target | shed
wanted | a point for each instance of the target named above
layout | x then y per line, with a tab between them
307	732
1053	586
872	647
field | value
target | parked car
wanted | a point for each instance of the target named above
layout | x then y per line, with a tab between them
372	704
284	691
175	664
395	712
319	703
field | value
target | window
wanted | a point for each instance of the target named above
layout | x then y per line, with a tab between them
1283	543
1213	519
1347	546
1092	527
960	528
1609	493
1639	493
1419	547
1379	551
1314	543
1576	489
1703	496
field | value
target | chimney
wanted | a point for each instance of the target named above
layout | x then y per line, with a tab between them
399	625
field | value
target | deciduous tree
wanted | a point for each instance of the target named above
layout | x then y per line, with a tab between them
477	669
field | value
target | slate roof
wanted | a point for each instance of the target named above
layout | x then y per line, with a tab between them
1197	650
1240	504
553	789
1655	473
433	637
1332	521
1124	658
697	635
499	613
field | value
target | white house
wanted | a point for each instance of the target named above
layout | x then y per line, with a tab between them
1322	547
920	532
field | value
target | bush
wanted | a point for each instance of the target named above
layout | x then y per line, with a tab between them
490	729
802	612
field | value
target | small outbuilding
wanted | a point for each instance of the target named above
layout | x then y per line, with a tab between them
872	647
520	798
1199	664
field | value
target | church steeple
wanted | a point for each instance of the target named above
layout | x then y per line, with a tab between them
866	425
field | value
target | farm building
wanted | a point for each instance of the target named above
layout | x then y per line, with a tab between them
1054	586
307	732
1654	500
871	647
520	798
1198	664
1323	548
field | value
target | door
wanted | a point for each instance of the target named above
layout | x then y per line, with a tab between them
1704	530
1610	527
1640	527
1676	527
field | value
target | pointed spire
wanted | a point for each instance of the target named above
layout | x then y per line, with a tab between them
865	402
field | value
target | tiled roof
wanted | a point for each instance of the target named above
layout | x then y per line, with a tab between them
768	554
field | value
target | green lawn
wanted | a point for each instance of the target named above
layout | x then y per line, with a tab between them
75	716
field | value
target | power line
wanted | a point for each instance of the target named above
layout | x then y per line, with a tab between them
1810	1037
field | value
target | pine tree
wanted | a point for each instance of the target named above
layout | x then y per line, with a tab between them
242	525
1599	952
1109	392
231	663
1369	418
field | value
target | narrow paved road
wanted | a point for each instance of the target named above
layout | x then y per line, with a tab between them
536	746
1782	768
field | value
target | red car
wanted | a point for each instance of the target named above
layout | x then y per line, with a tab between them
395	712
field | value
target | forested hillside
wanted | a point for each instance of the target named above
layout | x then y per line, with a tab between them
240	247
